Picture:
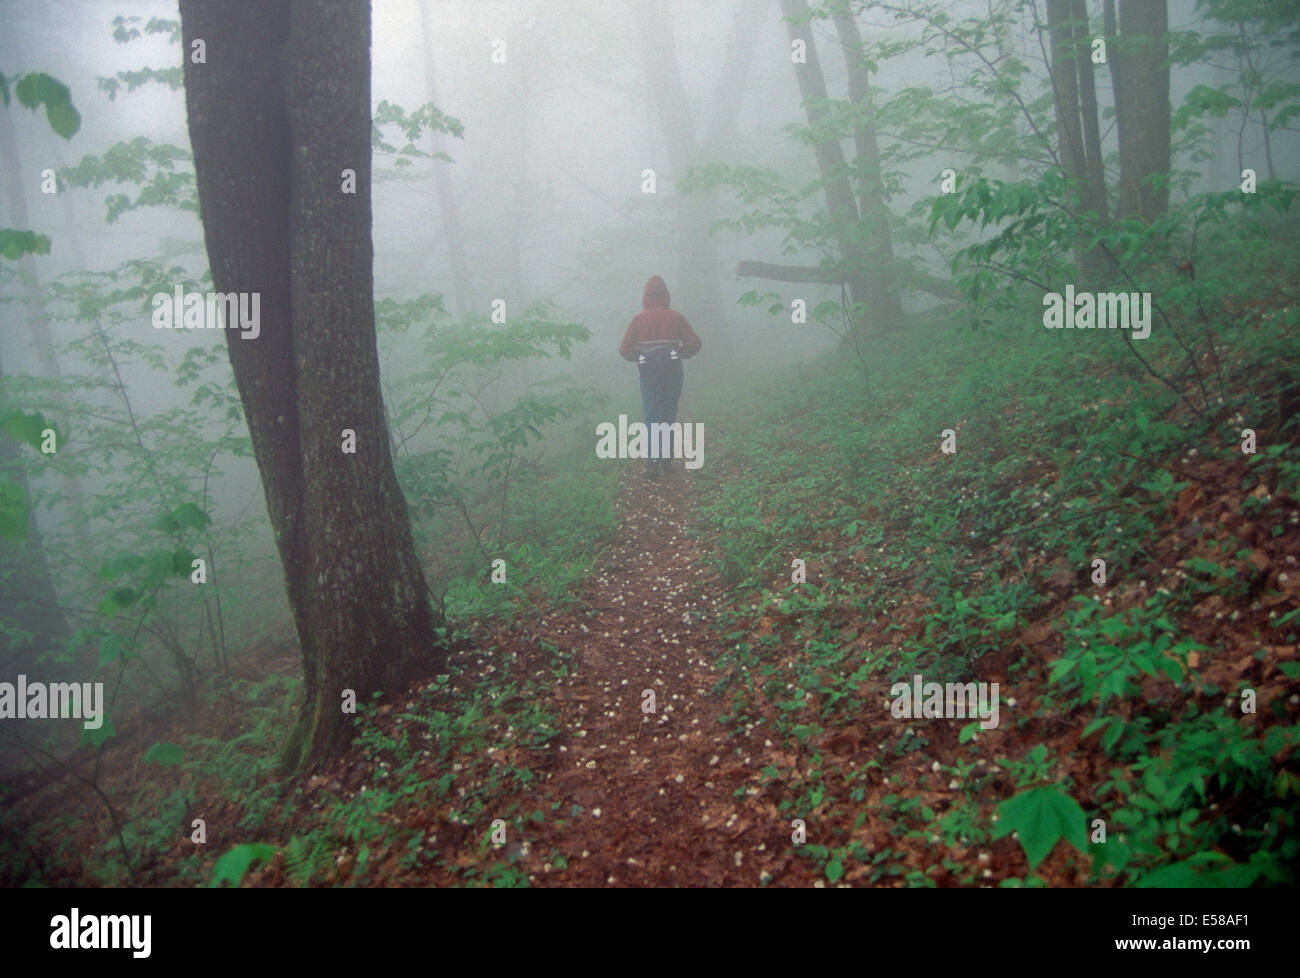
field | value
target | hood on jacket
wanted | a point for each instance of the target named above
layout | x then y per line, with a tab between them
656	293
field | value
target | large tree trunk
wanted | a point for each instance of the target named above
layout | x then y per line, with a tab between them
886	311
1093	159
279	110
1065	89
1140	69
840	204
1075	100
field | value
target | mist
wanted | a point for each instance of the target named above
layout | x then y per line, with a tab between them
461	443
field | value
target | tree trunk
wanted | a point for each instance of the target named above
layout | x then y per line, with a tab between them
886	311
1075	101
1110	29
1065	90
840	204
1140	67
279	110
1093	159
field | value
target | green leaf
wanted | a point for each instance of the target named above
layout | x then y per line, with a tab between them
1095	725
27	428
160	565
183	562
112	648
1059	668
15	243
168	755
232	867
108	606
125	596
120	565
1042	816
834	870
186	516
1112	734
64	118
1204	872
14	511
36	88
97	736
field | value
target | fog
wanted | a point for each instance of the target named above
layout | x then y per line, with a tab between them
569	152
567	111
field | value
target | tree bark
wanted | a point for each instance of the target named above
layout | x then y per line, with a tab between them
886	305
1075	101
842	208
279	110
1140	66
1110	30
1065	89
1093	159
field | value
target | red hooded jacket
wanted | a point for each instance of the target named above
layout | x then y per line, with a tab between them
658	322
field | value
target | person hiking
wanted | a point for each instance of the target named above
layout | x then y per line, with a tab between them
657	340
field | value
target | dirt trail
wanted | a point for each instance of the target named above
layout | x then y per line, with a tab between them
658	790
667	798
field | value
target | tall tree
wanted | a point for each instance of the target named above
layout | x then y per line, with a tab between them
1138	50
1093	158
840	203
1074	96
873	226
278	111
863	236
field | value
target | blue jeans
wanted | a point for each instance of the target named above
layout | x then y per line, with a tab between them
661	388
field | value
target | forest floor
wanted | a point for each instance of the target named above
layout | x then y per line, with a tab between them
540	758
650	790
595	789
701	792
667	795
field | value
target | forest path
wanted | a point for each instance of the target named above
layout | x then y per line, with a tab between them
672	797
